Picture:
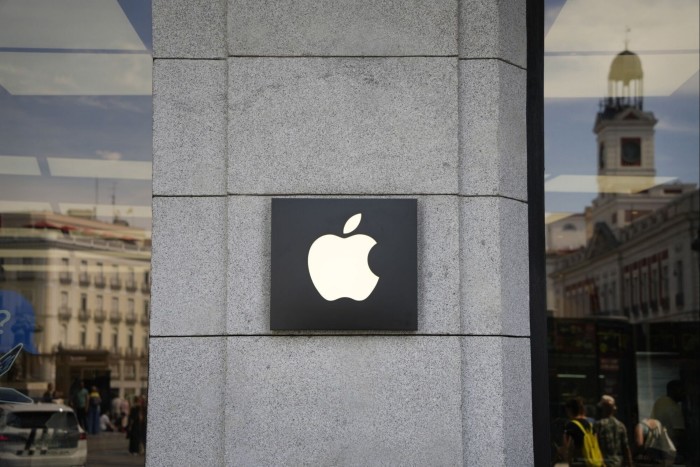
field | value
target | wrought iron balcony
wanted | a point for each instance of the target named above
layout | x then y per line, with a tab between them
65	277
130	285
64	312
130	317
115	283
100	315
100	281
84	279
84	315
115	316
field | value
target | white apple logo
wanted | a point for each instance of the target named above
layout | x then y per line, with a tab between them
338	266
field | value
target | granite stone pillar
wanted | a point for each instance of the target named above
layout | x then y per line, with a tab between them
371	98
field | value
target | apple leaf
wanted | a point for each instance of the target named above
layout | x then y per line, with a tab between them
352	223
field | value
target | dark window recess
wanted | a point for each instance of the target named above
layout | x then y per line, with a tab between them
631	152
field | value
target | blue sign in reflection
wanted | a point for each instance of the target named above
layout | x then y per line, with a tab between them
17	322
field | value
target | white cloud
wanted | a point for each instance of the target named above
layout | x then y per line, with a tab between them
587	34
75	74
599	25
66	24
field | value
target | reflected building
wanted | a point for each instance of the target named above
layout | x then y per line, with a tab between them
622	276
629	254
86	286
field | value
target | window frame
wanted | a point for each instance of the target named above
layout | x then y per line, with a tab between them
536	231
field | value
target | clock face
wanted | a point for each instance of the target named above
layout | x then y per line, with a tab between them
631	149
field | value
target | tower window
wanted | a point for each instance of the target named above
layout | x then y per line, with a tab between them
631	152
601	156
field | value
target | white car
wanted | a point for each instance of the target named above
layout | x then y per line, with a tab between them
40	434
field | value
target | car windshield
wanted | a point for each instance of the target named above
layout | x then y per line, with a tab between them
48	419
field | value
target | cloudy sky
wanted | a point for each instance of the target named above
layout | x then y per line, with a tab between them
582	38
75	104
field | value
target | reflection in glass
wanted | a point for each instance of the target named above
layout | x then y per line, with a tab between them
622	226
75	195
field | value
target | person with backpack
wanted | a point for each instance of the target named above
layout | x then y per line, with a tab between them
580	443
654	446
612	435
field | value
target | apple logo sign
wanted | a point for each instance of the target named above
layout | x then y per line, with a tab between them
338	266
343	264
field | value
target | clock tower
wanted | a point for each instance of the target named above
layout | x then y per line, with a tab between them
625	132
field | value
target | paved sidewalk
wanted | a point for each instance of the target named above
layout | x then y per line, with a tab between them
111	449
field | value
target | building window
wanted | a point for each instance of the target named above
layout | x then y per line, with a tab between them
680	299
83	337
83	302
654	290
64	298
630	152
115	304
115	339
130	339
98	338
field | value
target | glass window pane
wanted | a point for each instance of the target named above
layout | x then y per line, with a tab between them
75	208
621	198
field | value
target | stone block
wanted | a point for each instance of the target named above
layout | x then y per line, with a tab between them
494	266
493	29
249	266
186	398
493	129
335	27
189	127
343	400
188	290
189	28
342	125
497	401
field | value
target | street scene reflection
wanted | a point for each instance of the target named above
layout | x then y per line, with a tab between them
622	231
75	230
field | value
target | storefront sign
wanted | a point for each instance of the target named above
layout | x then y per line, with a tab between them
343	264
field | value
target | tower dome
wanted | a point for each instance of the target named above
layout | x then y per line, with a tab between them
626	67
625	82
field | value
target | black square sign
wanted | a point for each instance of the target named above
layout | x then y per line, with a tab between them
344	264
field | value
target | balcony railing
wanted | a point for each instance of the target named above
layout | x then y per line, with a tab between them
65	277
100	315
130	317
84	314
130	285
115	283
64	312
100	281
131	352
84	279
115	316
